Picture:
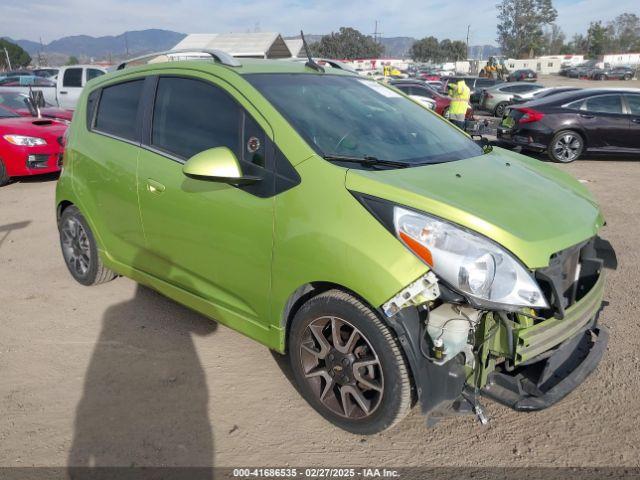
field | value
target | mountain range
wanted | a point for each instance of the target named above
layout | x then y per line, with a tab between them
131	43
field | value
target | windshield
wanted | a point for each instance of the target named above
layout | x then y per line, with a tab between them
13	100
6	113
350	116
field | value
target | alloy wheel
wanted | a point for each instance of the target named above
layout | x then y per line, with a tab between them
341	367
75	246
567	148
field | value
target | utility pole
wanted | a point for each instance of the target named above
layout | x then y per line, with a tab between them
6	54
468	29
126	45
376	33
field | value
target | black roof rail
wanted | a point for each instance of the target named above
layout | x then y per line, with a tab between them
217	55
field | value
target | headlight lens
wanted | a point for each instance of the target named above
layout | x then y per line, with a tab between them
475	266
24	141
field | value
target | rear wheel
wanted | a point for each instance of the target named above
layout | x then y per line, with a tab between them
80	250
348	365
627	77
565	146
499	110
602	77
4	176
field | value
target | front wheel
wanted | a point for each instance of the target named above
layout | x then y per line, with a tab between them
4	176
80	250
602	77
348	365
627	77
565	146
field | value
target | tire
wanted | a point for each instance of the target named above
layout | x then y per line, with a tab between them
4	176
627	77
566	146
602	77
445	113
327	376
80	251
499	110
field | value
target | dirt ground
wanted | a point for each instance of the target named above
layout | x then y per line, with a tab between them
119	375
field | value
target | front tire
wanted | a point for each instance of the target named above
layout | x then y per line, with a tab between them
627	77
566	146
347	364
4	176
602	77
79	249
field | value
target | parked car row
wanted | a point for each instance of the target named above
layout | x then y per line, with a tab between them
419	90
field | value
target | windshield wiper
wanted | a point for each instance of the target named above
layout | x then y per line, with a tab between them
367	160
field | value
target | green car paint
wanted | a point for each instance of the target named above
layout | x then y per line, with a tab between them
240	259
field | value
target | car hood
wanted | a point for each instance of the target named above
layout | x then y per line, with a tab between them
31	126
531	208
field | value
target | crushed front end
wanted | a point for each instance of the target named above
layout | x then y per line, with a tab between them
525	358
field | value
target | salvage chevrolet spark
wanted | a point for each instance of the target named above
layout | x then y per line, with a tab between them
391	257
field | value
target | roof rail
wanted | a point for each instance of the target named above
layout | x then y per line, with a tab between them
217	55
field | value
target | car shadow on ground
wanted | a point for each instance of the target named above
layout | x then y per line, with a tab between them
145	398
44	177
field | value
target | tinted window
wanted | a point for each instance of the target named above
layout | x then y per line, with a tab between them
604	104
72	77
484	82
510	89
577	105
93	73
118	109
634	103
191	116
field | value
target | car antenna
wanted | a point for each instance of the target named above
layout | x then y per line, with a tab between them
311	63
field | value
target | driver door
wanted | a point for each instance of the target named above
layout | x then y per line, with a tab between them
211	239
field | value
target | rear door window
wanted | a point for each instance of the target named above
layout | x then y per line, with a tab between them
72	77
604	104
118	110
634	103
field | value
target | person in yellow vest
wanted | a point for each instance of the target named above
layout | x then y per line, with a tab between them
460	95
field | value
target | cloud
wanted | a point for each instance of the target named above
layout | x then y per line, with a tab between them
32	19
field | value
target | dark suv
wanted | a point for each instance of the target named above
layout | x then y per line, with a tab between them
615	73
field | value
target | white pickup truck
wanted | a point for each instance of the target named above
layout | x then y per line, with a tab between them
62	91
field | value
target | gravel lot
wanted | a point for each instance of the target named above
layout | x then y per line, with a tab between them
119	375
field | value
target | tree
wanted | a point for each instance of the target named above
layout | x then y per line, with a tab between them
520	26
430	50
598	39
348	44
72	60
18	57
425	50
553	40
626	32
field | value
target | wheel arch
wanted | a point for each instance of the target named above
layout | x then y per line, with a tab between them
576	129
306	292
61	207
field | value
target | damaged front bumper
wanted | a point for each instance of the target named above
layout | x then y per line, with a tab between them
522	362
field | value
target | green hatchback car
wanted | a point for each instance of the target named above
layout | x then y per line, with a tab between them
394	259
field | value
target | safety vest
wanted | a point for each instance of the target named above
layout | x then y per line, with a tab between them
460	97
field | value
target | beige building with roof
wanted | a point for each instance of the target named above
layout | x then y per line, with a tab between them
247	45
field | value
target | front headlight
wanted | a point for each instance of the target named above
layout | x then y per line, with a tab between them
480	269
24	141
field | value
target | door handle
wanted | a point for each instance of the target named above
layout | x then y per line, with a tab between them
585	115
154	187
63	92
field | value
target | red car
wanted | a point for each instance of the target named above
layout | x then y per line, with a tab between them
29	145
17	102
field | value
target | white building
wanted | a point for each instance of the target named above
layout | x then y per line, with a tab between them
248	45
621	59
296	47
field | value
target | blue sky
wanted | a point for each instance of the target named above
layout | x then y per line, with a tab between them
418	18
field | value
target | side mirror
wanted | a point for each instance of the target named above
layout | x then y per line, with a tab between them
217	165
